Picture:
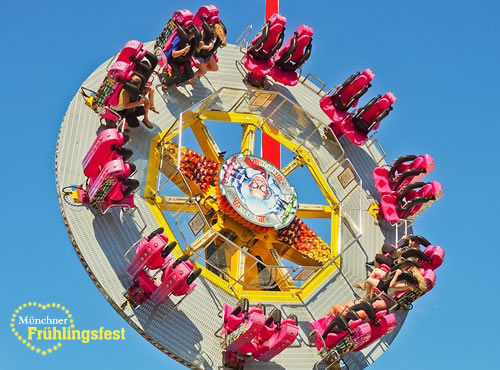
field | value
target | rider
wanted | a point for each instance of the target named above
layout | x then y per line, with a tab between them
179	58
206	55
389	254
130	107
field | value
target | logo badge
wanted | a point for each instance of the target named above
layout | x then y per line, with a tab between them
258	191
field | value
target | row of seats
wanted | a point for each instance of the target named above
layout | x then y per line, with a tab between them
132	60
427	261
431	257
108	171
250	331
414	251
341	334
152	254
405	170
356	124
353	326
109	184
182	24
265	58
403	194
406	203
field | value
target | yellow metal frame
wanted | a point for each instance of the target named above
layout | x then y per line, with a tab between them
250	123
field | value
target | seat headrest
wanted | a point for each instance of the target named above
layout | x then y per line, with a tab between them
412	252
277	19
405	264
304	30
183	17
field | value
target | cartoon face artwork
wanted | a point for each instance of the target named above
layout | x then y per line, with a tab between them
258	191
258	187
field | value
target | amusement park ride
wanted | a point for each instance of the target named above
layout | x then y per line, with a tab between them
209	254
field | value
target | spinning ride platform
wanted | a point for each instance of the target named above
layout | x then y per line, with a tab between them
238	258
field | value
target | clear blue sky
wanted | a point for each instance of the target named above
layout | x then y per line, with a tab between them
440	59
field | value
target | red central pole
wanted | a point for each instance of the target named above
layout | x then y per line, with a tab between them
272	6
271	149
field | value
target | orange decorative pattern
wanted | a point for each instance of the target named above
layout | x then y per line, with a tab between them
199	169
300	236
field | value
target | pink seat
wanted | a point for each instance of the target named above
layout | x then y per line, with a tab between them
148	254
271	326
435	257
267	331
245	333
278	342
140	291
132	53
102	151
258	58
111	175
176	26
337	344
336	106
430	278
181	18
399	206
177	279
127	64
235	316
331	338
405	170
386	324
123	193
292	56
357	127
207	15
264	334
105	164
108	93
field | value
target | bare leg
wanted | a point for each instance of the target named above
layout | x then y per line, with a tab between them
151	96
370	284
146	120
377	272
202	70
164	78
212	65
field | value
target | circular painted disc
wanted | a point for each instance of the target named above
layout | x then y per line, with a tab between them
258	191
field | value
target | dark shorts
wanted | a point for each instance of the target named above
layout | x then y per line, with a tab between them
383	285
201	60
131	115
181	71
